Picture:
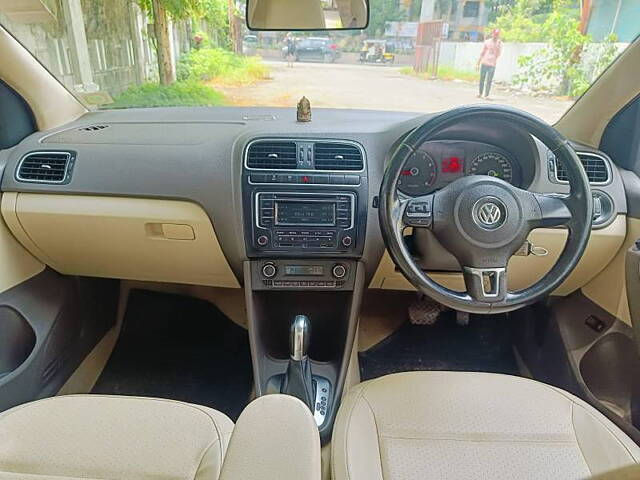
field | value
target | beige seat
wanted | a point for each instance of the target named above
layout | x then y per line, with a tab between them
459	425
111	437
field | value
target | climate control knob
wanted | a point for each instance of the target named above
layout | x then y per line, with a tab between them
339	270
269	270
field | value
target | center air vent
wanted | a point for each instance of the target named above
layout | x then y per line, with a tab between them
596	167
93	128
337	156
272	155
45	167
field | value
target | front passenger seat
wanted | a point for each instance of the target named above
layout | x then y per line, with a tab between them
465	425
114	437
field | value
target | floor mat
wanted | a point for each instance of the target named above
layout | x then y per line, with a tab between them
484	345
180	348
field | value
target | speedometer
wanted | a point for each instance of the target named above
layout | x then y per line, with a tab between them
492	164
418	175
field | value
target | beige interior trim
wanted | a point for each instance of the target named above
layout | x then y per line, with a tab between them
524	271
381	314
17	265
609	288
84	378
50	101
586	120
118	237
282	14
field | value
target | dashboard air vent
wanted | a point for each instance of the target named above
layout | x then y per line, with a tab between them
93	128
595	166
337	156
45	167
272	155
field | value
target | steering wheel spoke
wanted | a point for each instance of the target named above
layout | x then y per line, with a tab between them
418	212
487	285
554	210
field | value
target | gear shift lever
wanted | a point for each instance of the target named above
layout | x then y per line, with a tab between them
299	338
297	380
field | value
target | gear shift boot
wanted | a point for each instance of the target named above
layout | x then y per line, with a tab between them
298	380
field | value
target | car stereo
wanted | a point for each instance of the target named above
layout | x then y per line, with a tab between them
309	221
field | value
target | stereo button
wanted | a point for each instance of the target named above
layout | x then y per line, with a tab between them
262	240
339	271
351	179
269	270
257	178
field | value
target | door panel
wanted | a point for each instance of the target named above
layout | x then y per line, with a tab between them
48	323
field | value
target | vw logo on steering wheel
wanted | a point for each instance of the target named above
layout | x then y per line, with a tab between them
488	214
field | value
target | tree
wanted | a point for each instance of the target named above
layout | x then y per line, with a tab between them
520	20
559	67
383	11
162	11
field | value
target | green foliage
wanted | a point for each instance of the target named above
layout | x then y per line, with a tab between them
213	11
222	66
382	11
445	72
187	94
521	20
559	67
179	9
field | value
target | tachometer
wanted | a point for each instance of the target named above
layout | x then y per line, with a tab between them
418	175
492	164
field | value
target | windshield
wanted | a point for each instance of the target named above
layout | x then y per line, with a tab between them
416	55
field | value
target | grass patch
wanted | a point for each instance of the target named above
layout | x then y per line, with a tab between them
180	94
445	72
222	67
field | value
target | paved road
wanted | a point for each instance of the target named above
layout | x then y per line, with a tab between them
375	87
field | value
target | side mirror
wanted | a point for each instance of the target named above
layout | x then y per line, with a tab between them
307	14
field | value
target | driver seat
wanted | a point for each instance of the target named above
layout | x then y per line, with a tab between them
468	425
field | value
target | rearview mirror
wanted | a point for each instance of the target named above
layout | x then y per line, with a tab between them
307	14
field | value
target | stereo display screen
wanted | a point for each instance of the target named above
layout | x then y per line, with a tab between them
313	214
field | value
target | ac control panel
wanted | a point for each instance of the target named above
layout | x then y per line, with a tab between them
303	274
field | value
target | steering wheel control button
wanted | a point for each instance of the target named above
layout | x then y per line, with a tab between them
419	212
269	270
489	213
339	271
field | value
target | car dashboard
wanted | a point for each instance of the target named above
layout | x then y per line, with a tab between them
213	196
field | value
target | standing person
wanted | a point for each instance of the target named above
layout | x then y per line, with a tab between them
491	51
291	49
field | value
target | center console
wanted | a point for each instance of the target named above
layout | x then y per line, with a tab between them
304	213
296	207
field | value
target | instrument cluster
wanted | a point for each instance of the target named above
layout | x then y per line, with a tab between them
436	164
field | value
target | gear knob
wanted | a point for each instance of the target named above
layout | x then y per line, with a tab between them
299	337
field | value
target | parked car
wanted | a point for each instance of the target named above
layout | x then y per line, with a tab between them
318	49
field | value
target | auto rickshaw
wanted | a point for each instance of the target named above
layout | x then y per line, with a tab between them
377	51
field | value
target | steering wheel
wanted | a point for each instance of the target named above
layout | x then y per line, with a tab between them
483	220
